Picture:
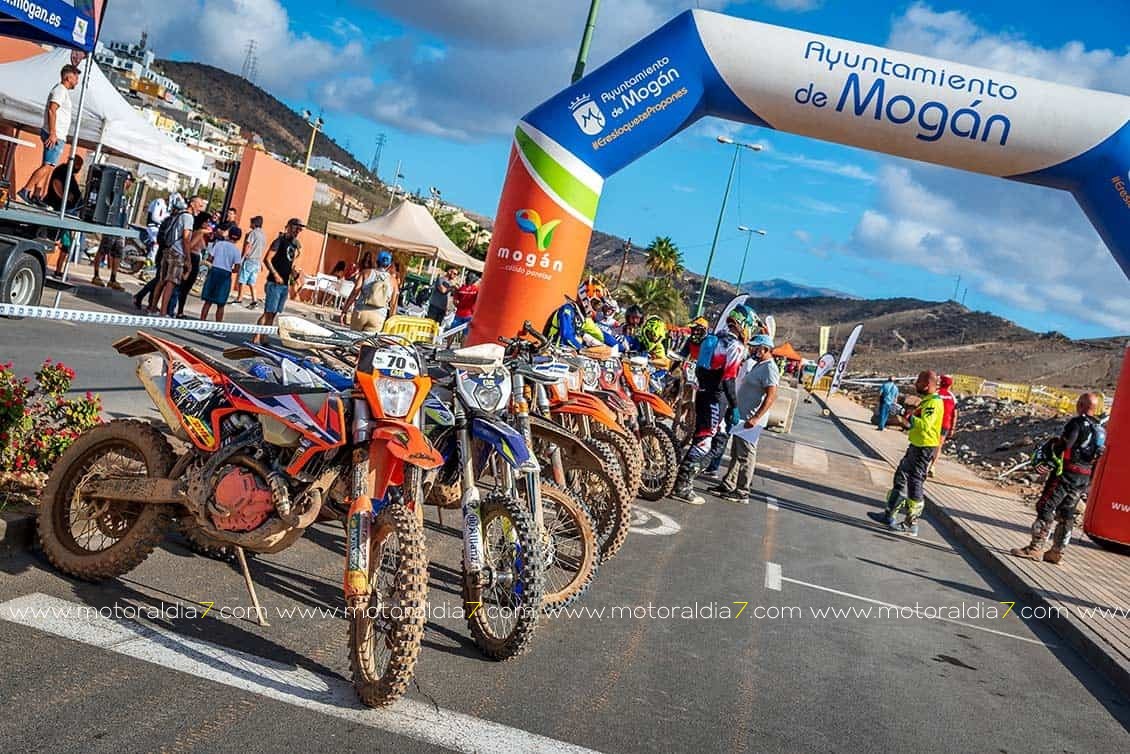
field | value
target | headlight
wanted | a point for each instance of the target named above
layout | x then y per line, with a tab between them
487	392
396	397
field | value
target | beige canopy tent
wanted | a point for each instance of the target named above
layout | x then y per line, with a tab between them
407	227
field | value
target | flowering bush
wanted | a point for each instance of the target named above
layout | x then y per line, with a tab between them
36	422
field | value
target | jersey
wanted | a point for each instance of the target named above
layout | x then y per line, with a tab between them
719	359
949	409
1085	439
926	423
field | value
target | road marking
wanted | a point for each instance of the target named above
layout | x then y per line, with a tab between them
771	503
810	457
770	469
861	598
646	521
773	576
274	680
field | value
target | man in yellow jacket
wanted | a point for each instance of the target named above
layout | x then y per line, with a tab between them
925	427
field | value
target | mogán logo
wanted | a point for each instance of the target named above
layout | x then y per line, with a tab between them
588	115
529	221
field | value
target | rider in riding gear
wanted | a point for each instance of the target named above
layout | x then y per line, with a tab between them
651	338
720	356
572	324
1070	460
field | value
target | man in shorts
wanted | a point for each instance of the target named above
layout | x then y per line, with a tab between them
280	262
174	263
253	247
111	249
56	125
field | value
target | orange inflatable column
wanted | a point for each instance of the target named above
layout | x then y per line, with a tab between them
1108	508
541	237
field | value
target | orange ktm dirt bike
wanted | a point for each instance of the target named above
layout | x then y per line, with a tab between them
263	459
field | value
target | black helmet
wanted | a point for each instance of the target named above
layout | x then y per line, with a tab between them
635	310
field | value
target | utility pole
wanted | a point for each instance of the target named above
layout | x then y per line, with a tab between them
395	186
586	37
250	61
964	294
375	165
957	288
624	260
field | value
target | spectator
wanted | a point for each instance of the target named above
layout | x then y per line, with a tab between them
176	205
465	299
398	285
54	198
949	416
174	264
441	290
908	489
888	397
225	257
757	392
156	212
253	246
284	252
56	125
1070	463
111	249
203	232
371	297
229	221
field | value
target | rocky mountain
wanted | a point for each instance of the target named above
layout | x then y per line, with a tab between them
226	95
778	288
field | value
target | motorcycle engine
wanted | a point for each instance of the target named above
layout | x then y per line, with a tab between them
246	498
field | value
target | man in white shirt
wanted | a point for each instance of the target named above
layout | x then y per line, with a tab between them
56	125
757	391
253	247
226	257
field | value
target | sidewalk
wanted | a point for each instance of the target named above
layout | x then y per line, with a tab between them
1085	589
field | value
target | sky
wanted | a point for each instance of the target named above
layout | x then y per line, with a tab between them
446	81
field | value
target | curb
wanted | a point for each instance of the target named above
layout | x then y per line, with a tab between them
1076	635
17	531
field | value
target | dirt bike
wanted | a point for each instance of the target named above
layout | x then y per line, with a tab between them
628	380
263	459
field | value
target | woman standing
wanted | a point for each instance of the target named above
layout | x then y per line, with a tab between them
371	297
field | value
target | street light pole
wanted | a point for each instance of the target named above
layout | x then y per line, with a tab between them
583	52
738	146
314	126
749	237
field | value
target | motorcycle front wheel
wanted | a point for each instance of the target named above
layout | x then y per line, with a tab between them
384	639
503	619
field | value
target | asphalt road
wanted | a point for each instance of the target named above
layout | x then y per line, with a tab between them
782	676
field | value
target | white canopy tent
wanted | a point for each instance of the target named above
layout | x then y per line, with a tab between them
407	227
108	120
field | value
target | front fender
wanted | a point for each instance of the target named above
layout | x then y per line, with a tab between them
572	446
407	443
505	440
660	406
590	405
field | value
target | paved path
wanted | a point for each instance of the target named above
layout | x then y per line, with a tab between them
1089	591
827	653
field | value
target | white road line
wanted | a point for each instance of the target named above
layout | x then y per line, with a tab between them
770	469
771	503
973	626
810	457
773	576
279	681
651	522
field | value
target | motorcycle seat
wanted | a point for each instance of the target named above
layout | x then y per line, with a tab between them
256	387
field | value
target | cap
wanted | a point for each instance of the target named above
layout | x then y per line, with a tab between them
761	341
234	233
946	381
295	221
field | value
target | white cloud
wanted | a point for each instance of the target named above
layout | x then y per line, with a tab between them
817	206
1028	247
217	32
832	167
682	188
803	236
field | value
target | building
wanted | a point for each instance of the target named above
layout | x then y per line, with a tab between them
325	164
134	64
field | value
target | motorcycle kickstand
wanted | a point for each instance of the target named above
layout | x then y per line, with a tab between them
259	615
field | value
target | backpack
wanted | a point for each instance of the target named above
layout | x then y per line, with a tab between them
1088	448
167	233
706	352
379	295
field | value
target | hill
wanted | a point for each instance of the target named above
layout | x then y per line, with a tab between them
904	335
234	98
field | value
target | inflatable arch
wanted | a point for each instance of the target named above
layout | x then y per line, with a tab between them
703	63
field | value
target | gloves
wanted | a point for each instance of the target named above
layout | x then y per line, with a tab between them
735	417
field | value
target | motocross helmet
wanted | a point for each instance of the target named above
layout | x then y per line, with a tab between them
653	332
741	323
698	327
590	294
384	259
633	316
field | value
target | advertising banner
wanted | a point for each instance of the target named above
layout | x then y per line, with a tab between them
63	23
825	334
845	357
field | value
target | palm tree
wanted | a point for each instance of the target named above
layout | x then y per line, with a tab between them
664	257
656	296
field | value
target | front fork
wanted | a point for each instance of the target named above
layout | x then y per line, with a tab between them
473	560
357	530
